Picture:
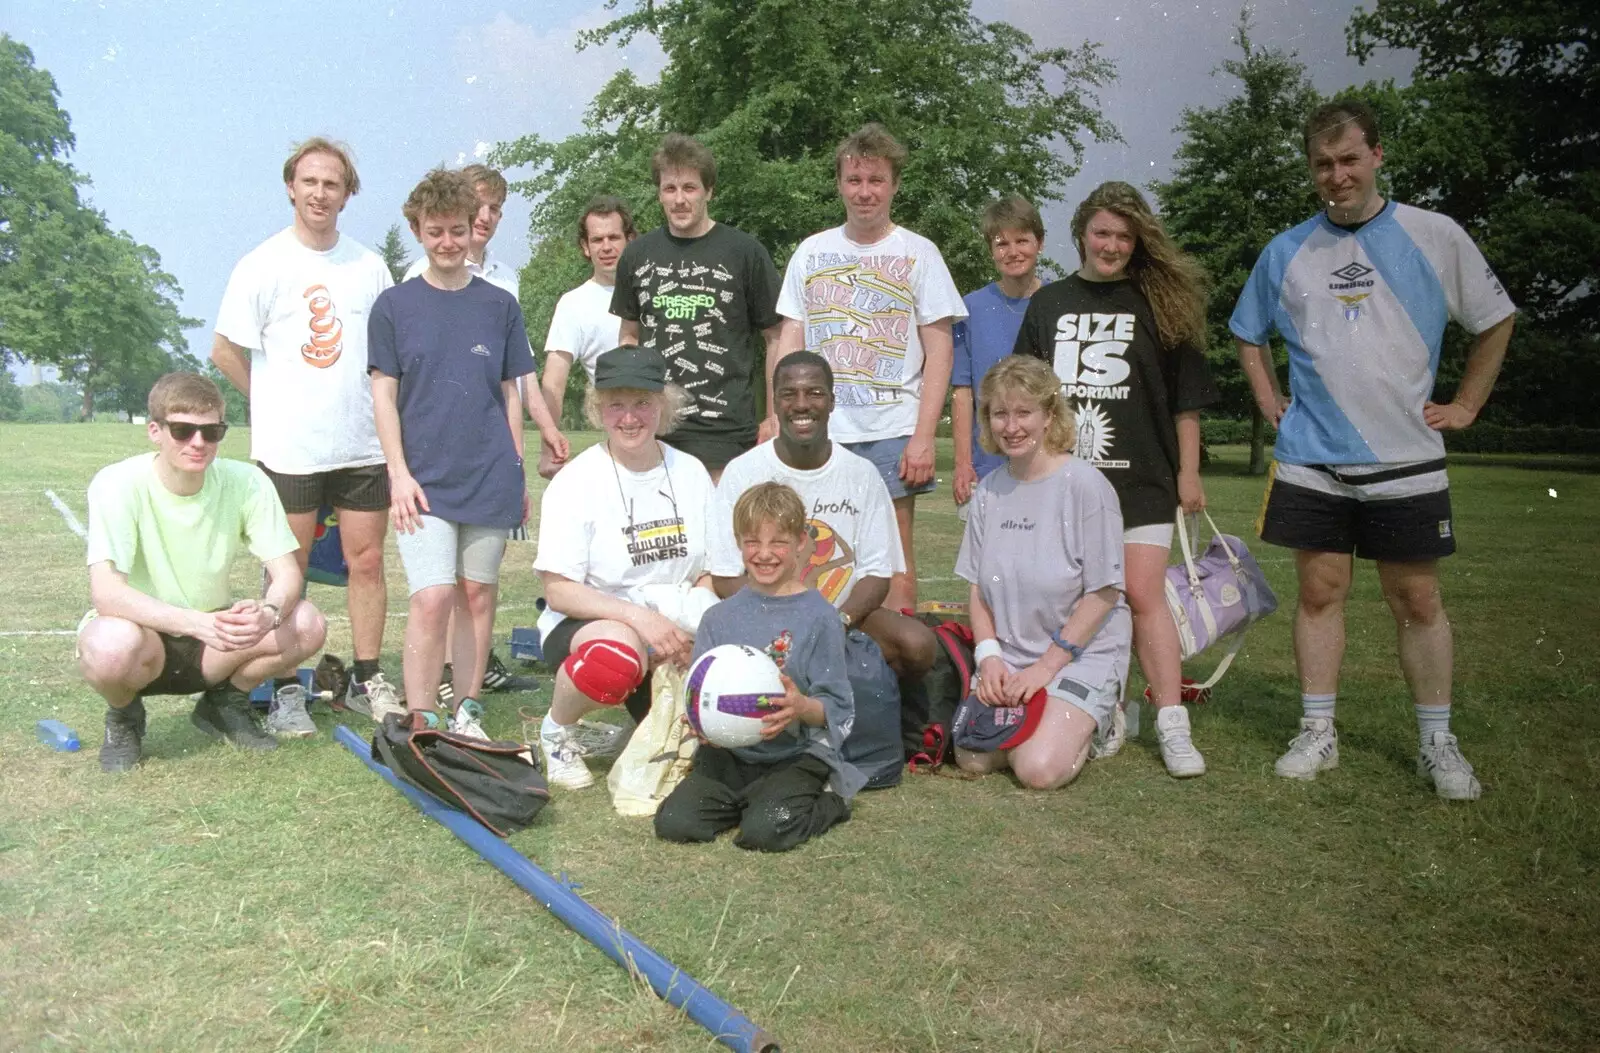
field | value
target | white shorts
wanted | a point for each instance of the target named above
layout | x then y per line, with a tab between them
1157	534
439	551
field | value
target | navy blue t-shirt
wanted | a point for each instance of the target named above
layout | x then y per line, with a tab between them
451	350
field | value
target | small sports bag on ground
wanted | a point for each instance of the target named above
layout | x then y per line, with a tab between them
497	783
1220	594
928	707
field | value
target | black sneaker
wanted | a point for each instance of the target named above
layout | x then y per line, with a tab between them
124	737
496	677
224	712
447	688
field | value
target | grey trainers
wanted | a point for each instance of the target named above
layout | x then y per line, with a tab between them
123	747
1315	749
1110	744
224	712
377	698
286	714
1440	759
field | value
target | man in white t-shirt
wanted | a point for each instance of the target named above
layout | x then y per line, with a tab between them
583	327
855	542
291	334
877	302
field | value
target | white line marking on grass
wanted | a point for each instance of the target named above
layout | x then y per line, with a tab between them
66	513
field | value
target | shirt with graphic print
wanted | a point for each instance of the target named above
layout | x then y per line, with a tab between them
848	513
451	349
861	306
616	530
1123	385
1363	313
803	635
303	316
703	302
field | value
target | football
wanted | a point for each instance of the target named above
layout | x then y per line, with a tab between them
730	688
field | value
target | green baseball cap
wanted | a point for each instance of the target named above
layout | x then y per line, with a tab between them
630	367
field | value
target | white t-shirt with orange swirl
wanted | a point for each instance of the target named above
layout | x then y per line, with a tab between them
303	314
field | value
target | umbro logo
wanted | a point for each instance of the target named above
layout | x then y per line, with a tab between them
1352	272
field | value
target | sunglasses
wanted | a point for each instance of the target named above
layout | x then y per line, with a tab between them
183	431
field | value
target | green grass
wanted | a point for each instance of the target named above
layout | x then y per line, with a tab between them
215	900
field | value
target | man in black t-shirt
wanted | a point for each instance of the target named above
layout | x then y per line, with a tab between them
1101	337
697	291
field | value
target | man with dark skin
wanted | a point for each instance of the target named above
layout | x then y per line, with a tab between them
855	543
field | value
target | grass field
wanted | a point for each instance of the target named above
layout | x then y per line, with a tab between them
216	900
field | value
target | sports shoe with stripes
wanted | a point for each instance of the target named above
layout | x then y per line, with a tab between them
563	759
377	698
496	677
1315	749
1440	759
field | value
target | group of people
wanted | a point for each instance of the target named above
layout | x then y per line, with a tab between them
696	522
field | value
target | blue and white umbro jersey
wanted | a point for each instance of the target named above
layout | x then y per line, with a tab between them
1363	313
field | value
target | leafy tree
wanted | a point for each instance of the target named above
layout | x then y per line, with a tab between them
1500	129
10	396
772	85
49	403
238	407
73	293
394	253
1238	180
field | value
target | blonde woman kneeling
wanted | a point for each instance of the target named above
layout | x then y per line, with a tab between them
1043	552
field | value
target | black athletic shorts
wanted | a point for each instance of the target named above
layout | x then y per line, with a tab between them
712	451
558	645
364	489
180	667
1398	530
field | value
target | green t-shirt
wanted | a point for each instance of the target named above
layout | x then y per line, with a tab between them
179	549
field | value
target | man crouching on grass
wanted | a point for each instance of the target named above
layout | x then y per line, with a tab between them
163	533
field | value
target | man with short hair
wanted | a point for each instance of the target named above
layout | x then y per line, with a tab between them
876	301
163	533
699	291
583	327
1361	293
292	335
855	540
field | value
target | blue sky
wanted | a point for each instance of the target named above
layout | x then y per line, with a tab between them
184	111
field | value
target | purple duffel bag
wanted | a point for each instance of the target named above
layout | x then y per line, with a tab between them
1220	594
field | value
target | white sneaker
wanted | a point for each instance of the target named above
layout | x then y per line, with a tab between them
287	716
468	720
598	739
563	759
1315	749
1440	759
1110	744
1172	731
376	697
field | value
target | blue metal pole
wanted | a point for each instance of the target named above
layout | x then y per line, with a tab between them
729	1026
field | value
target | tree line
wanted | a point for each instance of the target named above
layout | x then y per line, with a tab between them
1499	128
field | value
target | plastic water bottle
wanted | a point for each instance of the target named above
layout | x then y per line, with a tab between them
1132	711
58	736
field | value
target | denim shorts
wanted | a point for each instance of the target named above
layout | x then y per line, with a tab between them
885	456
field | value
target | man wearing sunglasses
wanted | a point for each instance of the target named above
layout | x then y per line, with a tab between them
163	533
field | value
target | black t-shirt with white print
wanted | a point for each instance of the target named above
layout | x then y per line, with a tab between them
702	302
1101	337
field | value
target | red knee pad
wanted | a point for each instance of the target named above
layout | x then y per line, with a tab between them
604	670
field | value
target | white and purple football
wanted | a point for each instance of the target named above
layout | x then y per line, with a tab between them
730	688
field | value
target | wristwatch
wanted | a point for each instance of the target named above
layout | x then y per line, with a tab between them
277	614
844	619
1066	645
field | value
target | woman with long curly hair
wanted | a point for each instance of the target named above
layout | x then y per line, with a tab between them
1126	334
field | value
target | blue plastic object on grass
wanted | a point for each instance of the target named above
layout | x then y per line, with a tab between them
58	736
729	1026
262	695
